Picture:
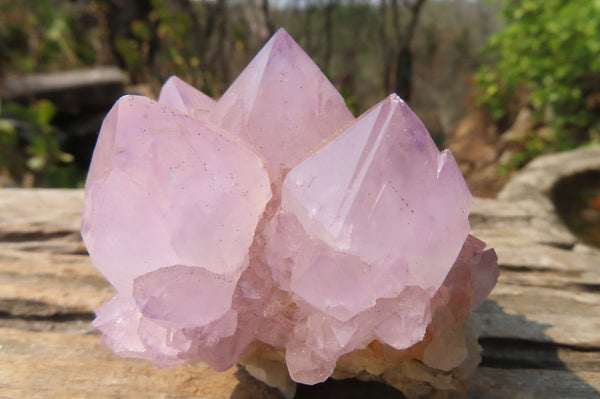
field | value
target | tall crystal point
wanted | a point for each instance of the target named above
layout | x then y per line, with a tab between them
282	105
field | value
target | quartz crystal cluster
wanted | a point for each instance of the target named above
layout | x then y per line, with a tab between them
271	227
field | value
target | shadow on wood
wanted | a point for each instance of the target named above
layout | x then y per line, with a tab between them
249	387
537	367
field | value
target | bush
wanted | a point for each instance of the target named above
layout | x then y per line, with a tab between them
549	53
50	35
29	147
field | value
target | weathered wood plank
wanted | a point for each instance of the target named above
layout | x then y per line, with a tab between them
71	91
540	328
494	383
67	365
548	290
44	268
541	325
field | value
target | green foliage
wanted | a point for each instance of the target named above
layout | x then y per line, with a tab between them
43	35
174	29
29	146
207	43
533	147
548	53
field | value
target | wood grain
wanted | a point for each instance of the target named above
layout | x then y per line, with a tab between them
540	327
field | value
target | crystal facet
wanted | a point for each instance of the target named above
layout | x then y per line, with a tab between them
179	95
282	105
272	227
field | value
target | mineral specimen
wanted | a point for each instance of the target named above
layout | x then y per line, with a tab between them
271	227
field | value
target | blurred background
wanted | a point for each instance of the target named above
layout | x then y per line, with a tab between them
499	81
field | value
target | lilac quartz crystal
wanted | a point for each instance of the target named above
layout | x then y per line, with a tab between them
270	227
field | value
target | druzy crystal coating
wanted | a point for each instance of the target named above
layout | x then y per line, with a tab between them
272	216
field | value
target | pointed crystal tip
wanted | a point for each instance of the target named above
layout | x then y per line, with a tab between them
396	99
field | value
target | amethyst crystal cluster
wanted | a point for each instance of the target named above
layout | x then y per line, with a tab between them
270	227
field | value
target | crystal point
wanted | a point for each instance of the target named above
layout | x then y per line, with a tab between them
184	295
178	94
383	199
282	104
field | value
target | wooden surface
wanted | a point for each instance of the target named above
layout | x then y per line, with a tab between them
540	328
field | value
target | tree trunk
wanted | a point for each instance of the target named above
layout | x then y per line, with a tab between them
385	48
404	55
404	73
329	8
221	58
267	16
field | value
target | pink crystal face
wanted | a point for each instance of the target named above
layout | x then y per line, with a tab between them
384	200
272	215
282	105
